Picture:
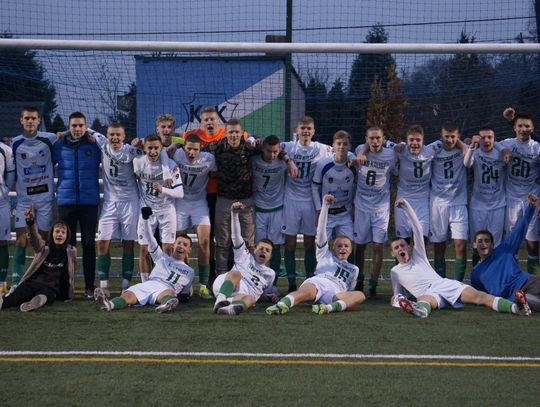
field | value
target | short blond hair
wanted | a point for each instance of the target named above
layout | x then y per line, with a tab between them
167	117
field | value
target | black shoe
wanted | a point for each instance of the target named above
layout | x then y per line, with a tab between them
372	295
89	293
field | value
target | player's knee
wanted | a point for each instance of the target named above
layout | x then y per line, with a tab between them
234	275
129	297
102	246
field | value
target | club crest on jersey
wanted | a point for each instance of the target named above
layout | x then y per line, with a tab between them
23	156
330	179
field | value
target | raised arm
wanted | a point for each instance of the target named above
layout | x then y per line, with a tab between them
468	160
175	190
36	241
236	231
519	231
321	238
153	247
418	232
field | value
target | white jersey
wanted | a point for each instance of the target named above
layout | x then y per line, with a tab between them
34	166
373	179
119	181
306	159
340	273
417	275
448	178
174	273
195	174
489	175
415	173
523	170
150	172
269	183
336	179
6	166
257	276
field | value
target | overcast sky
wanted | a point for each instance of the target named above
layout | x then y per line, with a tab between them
249	20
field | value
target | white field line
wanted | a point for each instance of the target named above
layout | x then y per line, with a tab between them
270	355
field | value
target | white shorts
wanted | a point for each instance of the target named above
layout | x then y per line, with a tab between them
447	293
370	226
165	221
118	220
5	221
148	292
492	220
242	288
326	291
299	217
43	214
514	211
444	216
268	226
403	224
340	225
191	213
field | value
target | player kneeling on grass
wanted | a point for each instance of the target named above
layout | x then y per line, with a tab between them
240	288
331	288
171	276
51	274
415	274
498	272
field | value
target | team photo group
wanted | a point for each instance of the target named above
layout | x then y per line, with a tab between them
248	200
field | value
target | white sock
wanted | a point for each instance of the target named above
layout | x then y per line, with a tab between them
343	305
515	309
104	283
495	304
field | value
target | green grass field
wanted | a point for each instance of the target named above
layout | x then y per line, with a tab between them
374	328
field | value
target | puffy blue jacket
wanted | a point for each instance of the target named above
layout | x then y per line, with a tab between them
78	171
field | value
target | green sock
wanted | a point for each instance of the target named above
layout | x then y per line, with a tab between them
459	269
290	266
4	262
128	263
226	288
203	274
119	303
275	260
373	284
287	300
503	305
241	303
475	258
532	264
336	306
165	299
440	267
310	262
103	266
19	258
425	305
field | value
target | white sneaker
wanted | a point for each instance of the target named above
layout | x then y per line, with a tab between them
35	303
102	300
167	306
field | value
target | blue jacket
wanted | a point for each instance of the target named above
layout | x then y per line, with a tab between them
500	274
78	171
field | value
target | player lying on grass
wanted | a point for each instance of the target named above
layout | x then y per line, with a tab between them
331	288
498	272
51	274
415	274
171	276
240	288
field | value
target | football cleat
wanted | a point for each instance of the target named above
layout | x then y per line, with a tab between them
204	293
230	310
102	300
278	309
411	308
523	305
167	306
221	301
319	309
35	303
